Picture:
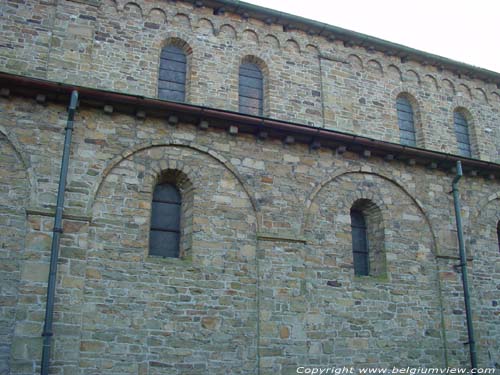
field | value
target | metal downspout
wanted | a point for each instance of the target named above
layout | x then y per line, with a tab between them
463	265
56	237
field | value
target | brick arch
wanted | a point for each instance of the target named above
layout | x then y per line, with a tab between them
479	94
306	217
259	61
412	72
182	20
227	30
375	66
31	180
355	62
176	40
432	81
165	165
134	5
464	89
250	35
205	24
153	175
108	6
157	12
313	49
446	84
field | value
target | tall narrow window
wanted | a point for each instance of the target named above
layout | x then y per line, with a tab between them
165	231
172	76
462	134
498	235
368	239
251	92
359	243
405	122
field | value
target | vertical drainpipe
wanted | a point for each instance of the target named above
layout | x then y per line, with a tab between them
463	265
56	238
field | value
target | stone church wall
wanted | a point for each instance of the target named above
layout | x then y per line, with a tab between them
265	282
308	79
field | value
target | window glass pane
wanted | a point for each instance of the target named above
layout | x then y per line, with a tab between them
172	74
165	216
164	244
173	53
165	221
359	243
166	193
251	93
360	264
462	134
405	122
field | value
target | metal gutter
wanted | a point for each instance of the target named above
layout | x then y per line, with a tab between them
334	32
463	267
58	92
56	239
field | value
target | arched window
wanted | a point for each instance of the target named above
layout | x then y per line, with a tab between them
368	239
405	122
164	236
359	243
251	90
462	134
172	75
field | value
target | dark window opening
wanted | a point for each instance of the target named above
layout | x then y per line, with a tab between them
165	230
359	243
498	235
462	134
406	122
251	91
172	75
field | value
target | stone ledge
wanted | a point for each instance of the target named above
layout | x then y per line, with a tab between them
262	236
94	3
47	212
454	257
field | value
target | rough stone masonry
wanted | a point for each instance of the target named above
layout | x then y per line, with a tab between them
265	282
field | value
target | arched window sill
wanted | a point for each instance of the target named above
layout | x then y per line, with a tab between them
383	278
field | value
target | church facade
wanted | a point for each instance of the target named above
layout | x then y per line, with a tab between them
248	192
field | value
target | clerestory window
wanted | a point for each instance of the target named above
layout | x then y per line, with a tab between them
251	89
462	134
406	122
172	75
